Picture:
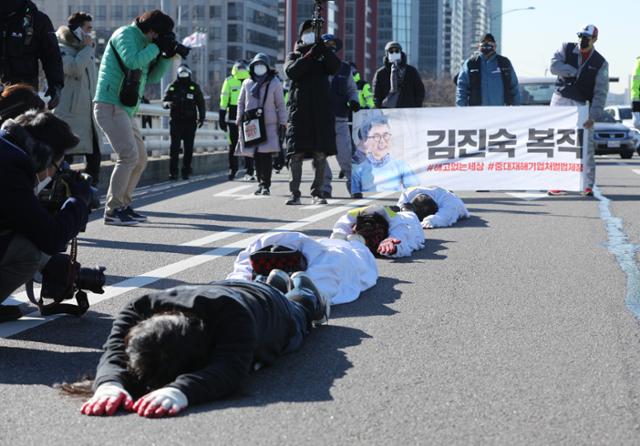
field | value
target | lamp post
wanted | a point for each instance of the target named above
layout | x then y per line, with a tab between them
512	10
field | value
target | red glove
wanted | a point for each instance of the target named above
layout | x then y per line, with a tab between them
166	401
107	399
388	246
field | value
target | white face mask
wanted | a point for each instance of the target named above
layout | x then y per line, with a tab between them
394	57
183	74
41	185
308	38
260	69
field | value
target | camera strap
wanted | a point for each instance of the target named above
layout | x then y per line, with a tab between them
58	307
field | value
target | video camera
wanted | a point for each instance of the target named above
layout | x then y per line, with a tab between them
317	20
63	277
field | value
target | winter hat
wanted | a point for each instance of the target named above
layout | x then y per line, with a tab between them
488	37
305	25
260	57
182	69
391	45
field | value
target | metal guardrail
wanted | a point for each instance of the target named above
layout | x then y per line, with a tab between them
157	139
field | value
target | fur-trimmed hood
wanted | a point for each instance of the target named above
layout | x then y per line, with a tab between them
66	37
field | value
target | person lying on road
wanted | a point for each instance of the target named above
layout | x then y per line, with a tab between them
434	206
193	344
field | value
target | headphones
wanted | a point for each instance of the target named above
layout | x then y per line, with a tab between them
40	153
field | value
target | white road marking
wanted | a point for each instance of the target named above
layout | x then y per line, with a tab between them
32	320
636	171
528	196
233	192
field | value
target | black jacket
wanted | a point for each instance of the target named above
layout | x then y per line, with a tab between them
311	116
22	213
19	53
247	321
187	101
411	89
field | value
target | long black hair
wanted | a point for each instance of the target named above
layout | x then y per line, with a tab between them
164	346
158	350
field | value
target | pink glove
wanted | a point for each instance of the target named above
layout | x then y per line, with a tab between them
388	246
106	400
166	401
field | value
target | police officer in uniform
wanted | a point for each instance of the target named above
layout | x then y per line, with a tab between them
227	116
26	36
186	101
365	95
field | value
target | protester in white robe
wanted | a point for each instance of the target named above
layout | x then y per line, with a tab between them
404	230
340	269
450	208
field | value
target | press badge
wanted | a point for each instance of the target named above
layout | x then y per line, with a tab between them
189	96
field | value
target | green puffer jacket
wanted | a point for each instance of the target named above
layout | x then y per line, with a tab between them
137	53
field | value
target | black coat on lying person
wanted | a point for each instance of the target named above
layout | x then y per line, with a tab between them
246	322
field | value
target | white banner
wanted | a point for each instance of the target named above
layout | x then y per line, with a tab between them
469	148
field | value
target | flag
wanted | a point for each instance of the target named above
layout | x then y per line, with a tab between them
195	40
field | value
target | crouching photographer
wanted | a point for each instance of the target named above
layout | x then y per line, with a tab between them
32	148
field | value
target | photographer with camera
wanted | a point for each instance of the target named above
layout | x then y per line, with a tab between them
32	148
136	54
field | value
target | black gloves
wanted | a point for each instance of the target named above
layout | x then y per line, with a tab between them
222	120
282	131
354	106
200	123
317	50
635	106
167	44
54	94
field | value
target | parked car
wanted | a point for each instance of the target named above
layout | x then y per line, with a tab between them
621	113
610	137
614	138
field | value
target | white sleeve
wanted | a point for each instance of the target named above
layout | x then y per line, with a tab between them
406	227
344	225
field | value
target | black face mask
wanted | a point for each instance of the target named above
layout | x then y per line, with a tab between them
487	49
584	42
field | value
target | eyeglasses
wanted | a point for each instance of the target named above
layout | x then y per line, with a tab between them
377	137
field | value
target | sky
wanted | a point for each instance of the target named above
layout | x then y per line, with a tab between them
529	38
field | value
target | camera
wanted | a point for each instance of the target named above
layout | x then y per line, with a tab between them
63	277
58	191
173	46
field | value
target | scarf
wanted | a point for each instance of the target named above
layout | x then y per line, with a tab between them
397	76
258	81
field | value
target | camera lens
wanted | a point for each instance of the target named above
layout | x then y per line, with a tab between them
91	279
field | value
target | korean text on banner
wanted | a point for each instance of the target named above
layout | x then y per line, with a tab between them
469	148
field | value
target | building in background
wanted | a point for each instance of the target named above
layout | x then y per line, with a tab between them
495	21
352	21
476	24
235	30
441	36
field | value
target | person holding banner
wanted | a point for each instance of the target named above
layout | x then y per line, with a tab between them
583	77
378	171
487	78
386	231
434	206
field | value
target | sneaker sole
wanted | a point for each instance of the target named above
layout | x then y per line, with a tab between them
327	312
121	223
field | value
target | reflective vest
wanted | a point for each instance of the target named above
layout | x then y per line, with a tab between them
635	83
365	95
229	97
